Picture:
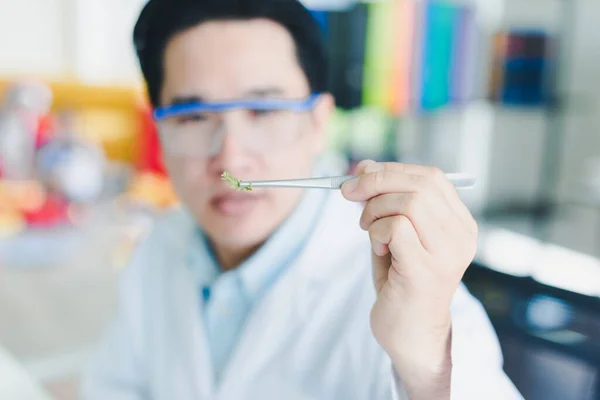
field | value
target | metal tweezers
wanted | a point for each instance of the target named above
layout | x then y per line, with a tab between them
459	180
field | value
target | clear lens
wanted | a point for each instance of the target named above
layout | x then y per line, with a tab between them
200	134
188	134
269	130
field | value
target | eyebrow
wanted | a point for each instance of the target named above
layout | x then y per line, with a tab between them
186	100
253	93
264	92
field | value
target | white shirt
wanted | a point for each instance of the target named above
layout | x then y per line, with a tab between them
227	298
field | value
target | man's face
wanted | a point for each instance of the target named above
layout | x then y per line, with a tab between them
232	60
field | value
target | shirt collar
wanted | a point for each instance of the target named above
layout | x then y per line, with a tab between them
281	249
260	271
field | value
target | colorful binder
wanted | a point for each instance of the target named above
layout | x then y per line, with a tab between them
522	67
379	55
398	55
440	22
464	57
403	61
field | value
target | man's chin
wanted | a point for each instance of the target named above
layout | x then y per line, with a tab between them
241	239
236	205
247	230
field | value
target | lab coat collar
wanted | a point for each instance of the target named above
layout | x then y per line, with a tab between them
294	297
286	307
262	269
336	237
336	231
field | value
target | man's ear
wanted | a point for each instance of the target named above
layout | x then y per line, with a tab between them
320	118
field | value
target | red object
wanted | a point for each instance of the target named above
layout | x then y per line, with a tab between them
151	155
53	212
45	130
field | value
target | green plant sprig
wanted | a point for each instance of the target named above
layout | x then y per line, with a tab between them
234	182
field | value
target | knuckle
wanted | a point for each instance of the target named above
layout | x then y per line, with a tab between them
378	180
436	172
475	228
470	252
413	201
361	166
474	248
401	225
371	233
436	175
366	217
421	182
375	233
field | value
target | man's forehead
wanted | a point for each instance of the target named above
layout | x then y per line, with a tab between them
211	35
232	60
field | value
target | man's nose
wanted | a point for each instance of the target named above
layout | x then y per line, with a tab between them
229	153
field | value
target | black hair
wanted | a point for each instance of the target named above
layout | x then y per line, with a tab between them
160	20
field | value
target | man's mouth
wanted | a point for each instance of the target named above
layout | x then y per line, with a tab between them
236	204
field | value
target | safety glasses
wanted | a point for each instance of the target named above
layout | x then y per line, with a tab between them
261	125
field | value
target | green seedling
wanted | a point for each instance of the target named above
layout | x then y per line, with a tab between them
234	182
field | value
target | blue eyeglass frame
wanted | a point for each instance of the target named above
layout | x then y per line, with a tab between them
161	113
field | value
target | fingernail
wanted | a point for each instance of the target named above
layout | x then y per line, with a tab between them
368	162
375	167
362	165
351	185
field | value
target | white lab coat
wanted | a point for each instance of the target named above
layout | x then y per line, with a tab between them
308	339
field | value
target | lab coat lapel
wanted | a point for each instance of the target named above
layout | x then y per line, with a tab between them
193	337
280	315
267	329
185	334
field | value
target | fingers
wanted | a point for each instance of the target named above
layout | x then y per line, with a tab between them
411	169
360	167
439	179
371	184
411	205
396	235
430	217
380	178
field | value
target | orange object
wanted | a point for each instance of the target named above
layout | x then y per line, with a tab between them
399	96
107	115
152	189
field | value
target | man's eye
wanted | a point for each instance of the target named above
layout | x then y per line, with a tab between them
185	119
260	113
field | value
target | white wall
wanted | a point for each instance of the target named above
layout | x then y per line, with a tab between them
88	40
103	41
31	37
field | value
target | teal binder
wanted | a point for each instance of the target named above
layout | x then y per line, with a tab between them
438	42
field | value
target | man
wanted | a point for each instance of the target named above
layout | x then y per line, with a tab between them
269	294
